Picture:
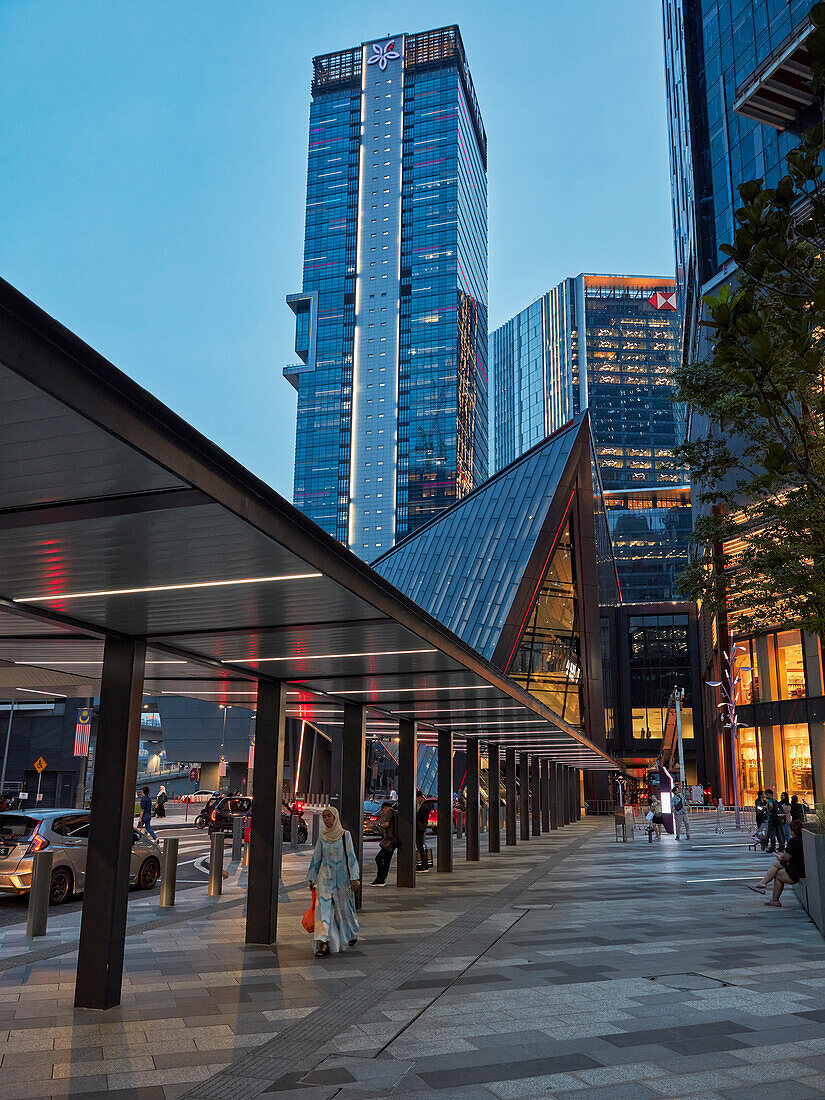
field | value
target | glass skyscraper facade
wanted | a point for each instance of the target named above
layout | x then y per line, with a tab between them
391	322
713	49
606	343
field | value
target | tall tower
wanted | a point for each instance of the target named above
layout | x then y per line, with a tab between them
391	323
606	343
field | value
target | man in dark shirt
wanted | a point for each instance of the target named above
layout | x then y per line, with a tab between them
789	868
776	819
145	820
422	817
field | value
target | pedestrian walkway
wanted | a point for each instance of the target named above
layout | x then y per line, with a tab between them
570	966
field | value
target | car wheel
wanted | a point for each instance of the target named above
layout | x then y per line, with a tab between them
61	887
148	874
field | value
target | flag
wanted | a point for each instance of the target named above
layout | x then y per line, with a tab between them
82	731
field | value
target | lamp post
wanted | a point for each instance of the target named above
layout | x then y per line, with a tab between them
224	707
6	751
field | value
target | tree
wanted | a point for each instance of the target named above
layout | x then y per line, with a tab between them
759	466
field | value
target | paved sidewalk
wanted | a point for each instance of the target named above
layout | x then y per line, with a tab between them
569	966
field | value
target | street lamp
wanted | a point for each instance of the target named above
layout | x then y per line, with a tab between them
224	707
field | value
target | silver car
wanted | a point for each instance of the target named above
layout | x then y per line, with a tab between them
66	833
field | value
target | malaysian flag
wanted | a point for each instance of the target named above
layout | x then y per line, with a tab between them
82	731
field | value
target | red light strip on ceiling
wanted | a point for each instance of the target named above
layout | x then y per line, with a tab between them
539	581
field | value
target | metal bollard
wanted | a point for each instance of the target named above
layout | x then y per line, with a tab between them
39	894
316	828
216	865
169	872
293	833
237	838
246	854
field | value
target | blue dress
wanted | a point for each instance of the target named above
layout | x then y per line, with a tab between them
331	868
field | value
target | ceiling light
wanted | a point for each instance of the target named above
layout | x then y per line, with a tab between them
399	691
49	597
59	661
327	656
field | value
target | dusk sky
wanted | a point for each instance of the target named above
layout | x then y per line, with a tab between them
153	173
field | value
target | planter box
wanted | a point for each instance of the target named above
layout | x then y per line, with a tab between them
813	845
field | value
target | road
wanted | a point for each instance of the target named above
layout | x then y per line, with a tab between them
194	846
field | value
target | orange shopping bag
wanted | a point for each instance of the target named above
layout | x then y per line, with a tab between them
308	919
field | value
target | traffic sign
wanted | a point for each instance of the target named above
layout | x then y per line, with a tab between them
39	764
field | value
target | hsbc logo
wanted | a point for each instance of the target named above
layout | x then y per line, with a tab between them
663	301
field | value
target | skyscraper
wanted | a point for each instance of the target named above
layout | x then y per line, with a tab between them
391	322
606	343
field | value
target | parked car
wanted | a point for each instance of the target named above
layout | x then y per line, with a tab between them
221	813
66	833
198	796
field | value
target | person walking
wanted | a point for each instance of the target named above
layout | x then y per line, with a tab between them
655	807
160	802
145	819
422	817
797	809
393	794
785	806
388	822
680	814
334	875
788	868
776	834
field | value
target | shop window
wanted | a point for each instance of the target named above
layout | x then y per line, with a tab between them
789	665
745	665
750	767
796	749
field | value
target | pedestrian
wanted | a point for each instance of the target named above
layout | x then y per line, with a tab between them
655	808
145	820
788	868
760	808
776	834
393	794
797	809
422	817
388	822
785	806
334	875
160	802
680	814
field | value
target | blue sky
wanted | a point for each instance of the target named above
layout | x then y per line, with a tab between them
153	170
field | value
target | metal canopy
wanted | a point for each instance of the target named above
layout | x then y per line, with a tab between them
117	519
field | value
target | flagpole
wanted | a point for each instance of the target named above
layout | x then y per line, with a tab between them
6	753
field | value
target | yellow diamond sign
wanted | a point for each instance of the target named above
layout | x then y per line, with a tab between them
40	764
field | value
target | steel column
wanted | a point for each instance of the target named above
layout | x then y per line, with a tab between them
535	795
472	799
556	818
106	889
407	760
565	801
353	767
494	812
544	783
577	791
524	796
444	860
266	832
510	796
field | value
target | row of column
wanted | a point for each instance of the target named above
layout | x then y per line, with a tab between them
553	790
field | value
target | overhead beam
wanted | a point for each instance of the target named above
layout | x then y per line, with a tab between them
80	511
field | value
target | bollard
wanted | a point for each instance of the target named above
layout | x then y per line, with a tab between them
39	894
246	854
237	838
293	833
458	824
484	812
216	865
169	872
316	828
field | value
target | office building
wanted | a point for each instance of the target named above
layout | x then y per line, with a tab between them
605	343
738	95
391	320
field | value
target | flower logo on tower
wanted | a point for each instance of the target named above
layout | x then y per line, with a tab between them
381	54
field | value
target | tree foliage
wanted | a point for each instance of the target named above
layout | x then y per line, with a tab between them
759	465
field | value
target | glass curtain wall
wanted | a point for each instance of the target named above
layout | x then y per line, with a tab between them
547	660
